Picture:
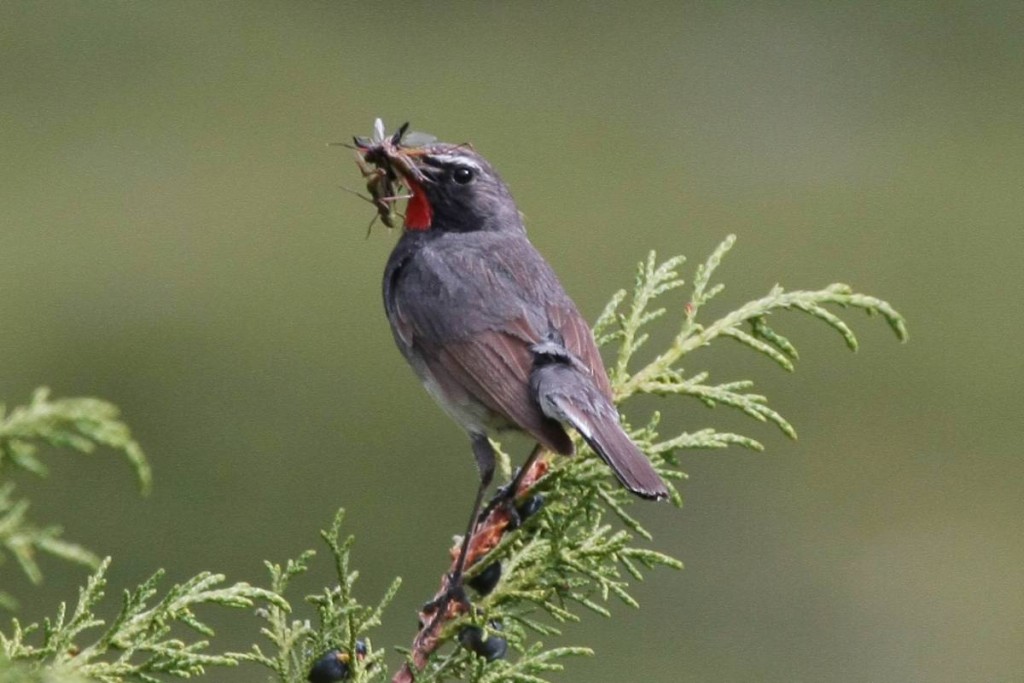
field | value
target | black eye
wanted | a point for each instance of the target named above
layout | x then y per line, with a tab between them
462	175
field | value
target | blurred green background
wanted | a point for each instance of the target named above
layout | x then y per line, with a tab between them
174	239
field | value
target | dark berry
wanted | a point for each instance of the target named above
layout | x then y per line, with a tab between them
472	638
484	582
530	507
331	667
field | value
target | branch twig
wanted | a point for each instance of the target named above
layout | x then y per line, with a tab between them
486	536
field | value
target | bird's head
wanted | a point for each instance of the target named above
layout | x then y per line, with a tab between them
454	189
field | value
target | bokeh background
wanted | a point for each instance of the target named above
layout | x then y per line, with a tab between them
174	239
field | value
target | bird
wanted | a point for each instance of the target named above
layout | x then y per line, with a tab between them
486	325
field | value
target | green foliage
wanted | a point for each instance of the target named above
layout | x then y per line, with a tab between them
138	643
80	424
565	559
748	325
578	554
11	672
342	619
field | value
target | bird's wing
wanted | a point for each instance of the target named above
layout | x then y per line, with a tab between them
579	340
473	312
494	369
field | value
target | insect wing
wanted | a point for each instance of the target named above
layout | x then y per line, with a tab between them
378	131
415	138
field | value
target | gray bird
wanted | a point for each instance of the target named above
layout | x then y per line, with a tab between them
487	326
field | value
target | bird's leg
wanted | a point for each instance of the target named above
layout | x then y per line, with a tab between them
512	490
507	494
485	461
483	534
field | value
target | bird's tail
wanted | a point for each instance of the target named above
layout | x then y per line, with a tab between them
567	394
628	462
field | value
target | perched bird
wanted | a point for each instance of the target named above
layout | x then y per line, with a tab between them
486	325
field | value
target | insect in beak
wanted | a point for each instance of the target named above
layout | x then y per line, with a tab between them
389	166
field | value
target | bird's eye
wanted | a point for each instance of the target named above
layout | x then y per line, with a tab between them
462	175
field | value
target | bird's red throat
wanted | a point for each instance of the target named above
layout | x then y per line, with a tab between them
418	212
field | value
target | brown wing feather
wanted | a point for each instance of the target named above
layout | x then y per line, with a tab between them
579	339
494	368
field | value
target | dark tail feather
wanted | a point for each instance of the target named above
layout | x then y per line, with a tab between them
568	395
628	462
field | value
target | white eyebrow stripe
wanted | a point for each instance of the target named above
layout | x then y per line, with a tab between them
457	160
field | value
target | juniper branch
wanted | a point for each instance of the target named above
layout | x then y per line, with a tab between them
343	623
762	338
80	424
138	643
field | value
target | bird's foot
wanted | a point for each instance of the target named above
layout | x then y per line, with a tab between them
447	604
